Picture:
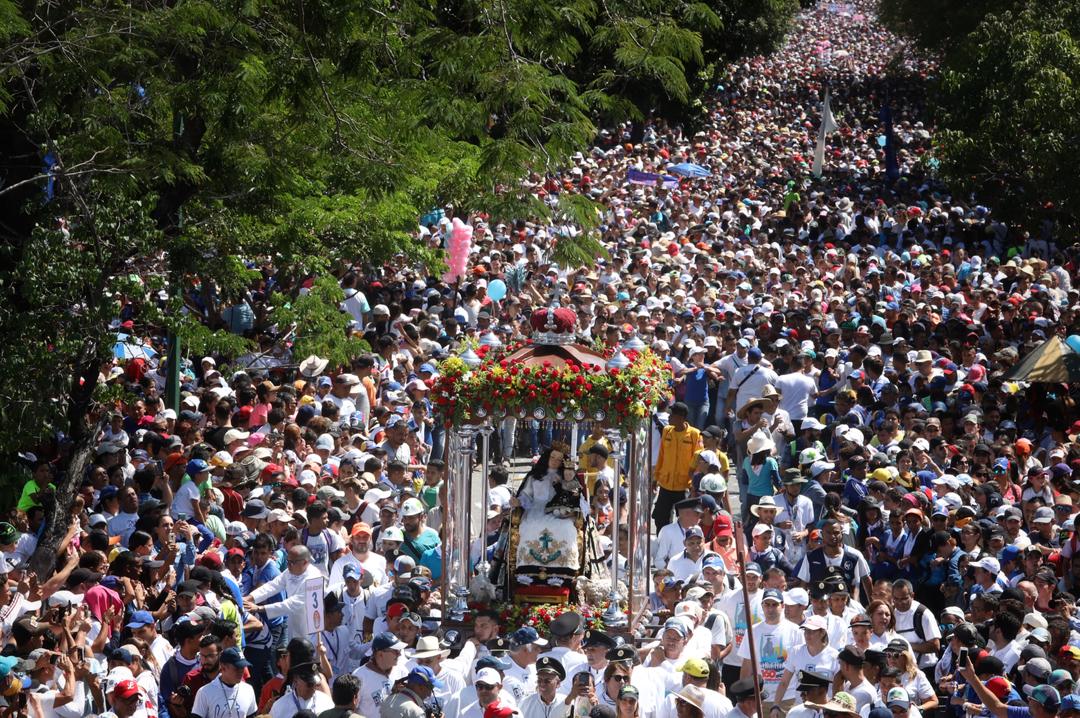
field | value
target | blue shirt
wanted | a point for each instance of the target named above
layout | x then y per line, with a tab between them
697	386
251	578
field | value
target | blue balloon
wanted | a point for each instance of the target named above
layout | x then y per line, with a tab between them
496	289
882	140
1073	342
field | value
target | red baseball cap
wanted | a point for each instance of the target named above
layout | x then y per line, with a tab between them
126	689
722	525
999	687
211	559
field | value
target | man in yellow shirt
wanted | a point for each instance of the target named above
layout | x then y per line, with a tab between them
679	443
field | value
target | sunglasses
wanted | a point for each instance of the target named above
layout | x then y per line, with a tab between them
621	679
485	687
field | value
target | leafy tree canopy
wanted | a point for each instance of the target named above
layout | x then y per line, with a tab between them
1007	101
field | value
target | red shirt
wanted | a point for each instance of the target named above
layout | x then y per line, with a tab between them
233	503
270	692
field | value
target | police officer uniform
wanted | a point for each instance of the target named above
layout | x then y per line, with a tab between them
562	628
534	707
596	639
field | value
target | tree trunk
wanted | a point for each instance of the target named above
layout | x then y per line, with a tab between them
83	435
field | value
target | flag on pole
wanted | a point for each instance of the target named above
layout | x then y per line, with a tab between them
828	126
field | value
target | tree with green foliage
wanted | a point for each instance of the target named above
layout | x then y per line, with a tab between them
1007	101
156	156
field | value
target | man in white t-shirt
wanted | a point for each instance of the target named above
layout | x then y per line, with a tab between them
774	638
798	387
749	381
360	556
227	696
925	638
377	676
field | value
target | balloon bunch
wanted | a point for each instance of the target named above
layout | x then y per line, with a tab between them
458	249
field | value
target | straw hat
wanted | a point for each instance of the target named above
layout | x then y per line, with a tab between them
427	647
745	409
313	366
693	695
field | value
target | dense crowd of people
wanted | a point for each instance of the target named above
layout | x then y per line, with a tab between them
839	349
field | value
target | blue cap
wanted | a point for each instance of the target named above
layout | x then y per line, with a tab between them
525	636
393	386
121	654
1070	702
140	619
491	661
1009	553
753	353
427	367
387	641
424	676
108	492
774	593
351	571
755	568
197	466
1002	464
324	381
233	657
713	560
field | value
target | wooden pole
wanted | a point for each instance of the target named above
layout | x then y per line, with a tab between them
740	554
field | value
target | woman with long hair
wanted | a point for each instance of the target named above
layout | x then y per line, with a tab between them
898	654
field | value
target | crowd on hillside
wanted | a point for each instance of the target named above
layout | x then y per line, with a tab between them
840	349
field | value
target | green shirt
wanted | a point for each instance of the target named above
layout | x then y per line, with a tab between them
26	501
